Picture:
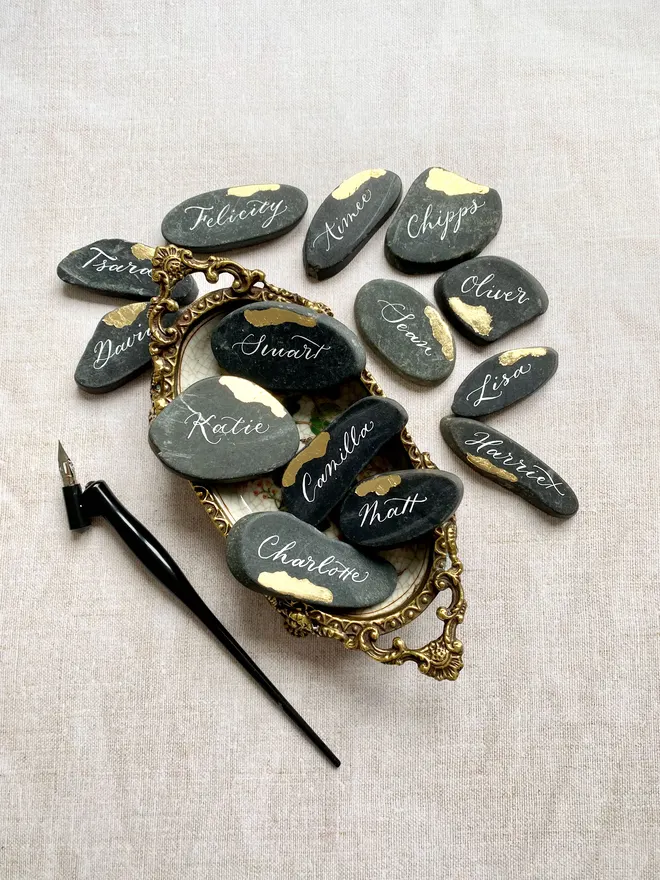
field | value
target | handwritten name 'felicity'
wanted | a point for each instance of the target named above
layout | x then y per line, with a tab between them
309	350
350	443
227	214
223	426
479	289
370	513
395	313
451	222
495	384
102	262
534	473
337	230
329	566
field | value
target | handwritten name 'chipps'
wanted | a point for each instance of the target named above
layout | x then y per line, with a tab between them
449	223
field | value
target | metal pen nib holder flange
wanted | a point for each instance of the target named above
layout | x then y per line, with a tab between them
181	353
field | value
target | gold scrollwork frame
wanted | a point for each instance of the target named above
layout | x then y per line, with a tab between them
441	658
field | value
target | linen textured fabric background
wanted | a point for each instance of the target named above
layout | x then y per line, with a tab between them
131	746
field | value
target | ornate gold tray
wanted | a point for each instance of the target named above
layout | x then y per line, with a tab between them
181	355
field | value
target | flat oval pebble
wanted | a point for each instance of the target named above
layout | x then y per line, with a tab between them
223	430
276	554
503	380
119	268
405	330
400	506
487	297
235	217
502	460
118	350
347	219
443	219
322	473
287	347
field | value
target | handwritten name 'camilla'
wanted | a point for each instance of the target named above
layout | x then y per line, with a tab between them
479	289
350	443
105	350
102	262
308	350
264	208
491	384
450	222
395	313
224	426
534	473
329	566
369	513
337	230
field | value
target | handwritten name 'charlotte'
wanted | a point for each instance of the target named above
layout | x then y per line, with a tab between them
329	566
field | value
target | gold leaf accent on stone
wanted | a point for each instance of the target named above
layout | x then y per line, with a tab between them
507	358
301	588
244	191
440	332
476	317
381	485
316	449
248	392
484	465
124	316
270	317
353	184
452	184
143	251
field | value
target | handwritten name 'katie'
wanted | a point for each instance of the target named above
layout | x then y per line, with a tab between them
491	448
329	566
495	384
102	262
350	443
309	350
451	222
395	313
221	426
479	289
337	230
264	208
371	514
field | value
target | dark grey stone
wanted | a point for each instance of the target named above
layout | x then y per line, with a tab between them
224	429
347	219
405	330
119	268
118	350
236	217
442	220
502	460
322	473
287	347
400	506
276	554
487	297
504	379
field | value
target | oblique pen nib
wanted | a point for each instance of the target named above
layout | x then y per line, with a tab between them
66	466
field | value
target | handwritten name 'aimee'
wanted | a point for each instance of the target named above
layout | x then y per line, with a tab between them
337	230
495	384
214	426
479	288
350	443
395	313
102	262
329	566
534	473
307	350
449	223
370	513
210	217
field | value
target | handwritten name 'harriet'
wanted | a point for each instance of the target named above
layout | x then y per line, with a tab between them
534	473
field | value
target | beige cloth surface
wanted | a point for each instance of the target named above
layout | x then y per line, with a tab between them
130	745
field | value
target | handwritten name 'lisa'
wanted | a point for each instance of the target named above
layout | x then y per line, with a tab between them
209	217
494	384
450	222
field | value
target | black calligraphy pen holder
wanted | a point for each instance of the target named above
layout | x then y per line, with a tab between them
182	354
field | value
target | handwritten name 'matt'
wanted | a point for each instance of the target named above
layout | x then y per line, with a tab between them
209	217
371	513
350	443
451	222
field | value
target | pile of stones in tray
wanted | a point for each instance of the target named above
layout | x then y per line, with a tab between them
236	427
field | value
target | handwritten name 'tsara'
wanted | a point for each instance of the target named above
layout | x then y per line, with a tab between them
210	217
102	262
450	222
534	473
337	230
